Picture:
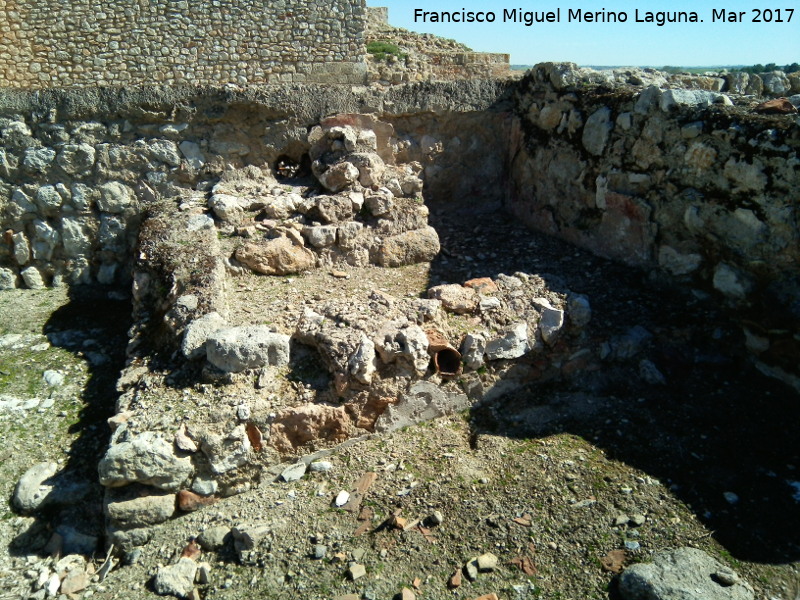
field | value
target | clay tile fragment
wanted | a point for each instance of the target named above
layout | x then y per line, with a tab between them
778	106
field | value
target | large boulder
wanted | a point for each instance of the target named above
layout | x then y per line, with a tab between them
682	574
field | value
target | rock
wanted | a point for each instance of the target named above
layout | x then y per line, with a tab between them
32	488
455	298
203	573
379	204
691	98
408	343
226	452
214	538
281	256
76	542
471	569
579	311
146	458
331	209
321	236
176	580
731	282
227	208
424	401
551	324
294	472
197	333
406	594
362	364
680	574
482	285
338	177
165	151
779	106
115	197
649	372
32	278
247	538
435	518
74	582
597	130
408	248
22	249
487	562
194	156
341	498
637	520
455	580
38	159
320	466
76	158
136	506
189	501
355	570
513	344
473	349
183	441
75	237
299	425
8	279
677	263
249	347
320	551
53	378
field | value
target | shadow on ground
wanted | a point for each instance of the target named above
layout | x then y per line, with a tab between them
92	325
721	435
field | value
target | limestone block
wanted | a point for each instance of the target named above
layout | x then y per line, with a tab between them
165	151
321	236
226	452
22	249
45	240
227	208
75	237
197	334
146	458
8	279
38	160
512	344
337	177
136	505
362	363
455	298
239	348
597	130
281	256
49	200
193	154
408	248
423	402
115	197
76	158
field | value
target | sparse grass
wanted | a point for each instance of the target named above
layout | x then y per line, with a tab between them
381	50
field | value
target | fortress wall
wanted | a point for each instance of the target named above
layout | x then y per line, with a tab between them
49	43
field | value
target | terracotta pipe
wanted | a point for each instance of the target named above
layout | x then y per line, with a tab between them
446	359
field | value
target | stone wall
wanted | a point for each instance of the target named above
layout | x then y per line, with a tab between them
680	182
51	43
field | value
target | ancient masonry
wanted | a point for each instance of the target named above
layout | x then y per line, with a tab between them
133	42
173	192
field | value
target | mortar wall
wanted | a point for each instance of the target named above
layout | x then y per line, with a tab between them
48	43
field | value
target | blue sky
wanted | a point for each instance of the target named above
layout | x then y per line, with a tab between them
632	43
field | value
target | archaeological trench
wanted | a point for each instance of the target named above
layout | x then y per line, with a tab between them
239	222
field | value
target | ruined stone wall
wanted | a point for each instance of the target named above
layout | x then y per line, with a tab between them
79	168
48	43
682	182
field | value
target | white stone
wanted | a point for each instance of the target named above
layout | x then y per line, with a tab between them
197	334
146	458
226	208
32	278
550	325
22	250
49	200
239	348
165	151
363	363
513	344
115	197
294	472
176	580
74	237
597	130
194	156
731	282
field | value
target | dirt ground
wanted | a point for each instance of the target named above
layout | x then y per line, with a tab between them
551	478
